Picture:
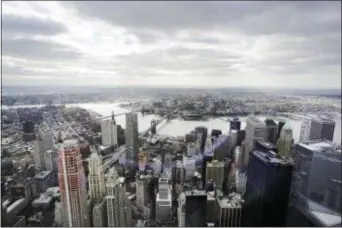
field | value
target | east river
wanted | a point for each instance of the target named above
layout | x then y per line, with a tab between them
179	127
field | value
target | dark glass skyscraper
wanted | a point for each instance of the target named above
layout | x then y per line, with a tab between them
267	190
235	124
195	208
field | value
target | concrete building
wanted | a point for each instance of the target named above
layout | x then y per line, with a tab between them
109	133
72	184
51	164
96	178
317	163
316	129
142	184
235	124
163	202
285	141
215	172
132	139
44	180
195	208
43	143
240	182
230	210
255	129
119	209
181	210
100	214
189	166
271	131
191	149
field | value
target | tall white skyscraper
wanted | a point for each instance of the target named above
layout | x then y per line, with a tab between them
132	138
163	201
109	133
96	178
119	208
43	143
255	129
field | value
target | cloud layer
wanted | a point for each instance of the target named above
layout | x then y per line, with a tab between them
199	44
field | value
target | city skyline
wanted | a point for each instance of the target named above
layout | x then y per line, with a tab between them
264	44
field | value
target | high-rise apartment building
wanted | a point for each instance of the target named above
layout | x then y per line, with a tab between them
142	182
43	143
100	214
163	201
285	141
255	129
119	209
72	184
96	178
316	129
271	131
267	190
132	139
215	172
189	166
191	149
109	133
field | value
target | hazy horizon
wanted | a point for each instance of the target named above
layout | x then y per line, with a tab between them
278	45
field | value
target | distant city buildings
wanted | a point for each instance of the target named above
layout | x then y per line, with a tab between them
317	128
132	139
72	184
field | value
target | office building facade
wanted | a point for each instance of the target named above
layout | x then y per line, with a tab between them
318	128
109	133
271	131
96	178
132	139
230	210
267	190
195	208
285	141
215	172
119	209
255	129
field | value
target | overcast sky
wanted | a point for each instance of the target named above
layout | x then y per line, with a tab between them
199	44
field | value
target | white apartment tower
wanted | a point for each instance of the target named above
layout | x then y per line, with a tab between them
119	209
43	143
96	178
109	132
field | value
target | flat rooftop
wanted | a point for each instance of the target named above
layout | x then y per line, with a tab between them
319	146
42	174
271	158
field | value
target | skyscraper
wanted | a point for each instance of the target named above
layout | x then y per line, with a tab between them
72	184
235	124
316	176
195	208
230	210
119	210
271	131
96	178
163	201
284	144
215	172
255	129
43	143
109	133
267	190
132	139
280	126
317	128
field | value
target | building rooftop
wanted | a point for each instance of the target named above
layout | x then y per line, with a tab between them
196	193
271	158
43	199
320	146
233	200
42	174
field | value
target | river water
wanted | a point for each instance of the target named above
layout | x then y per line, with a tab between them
179	127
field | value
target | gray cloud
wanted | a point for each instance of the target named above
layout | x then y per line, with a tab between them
13	24
38	50
248	17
